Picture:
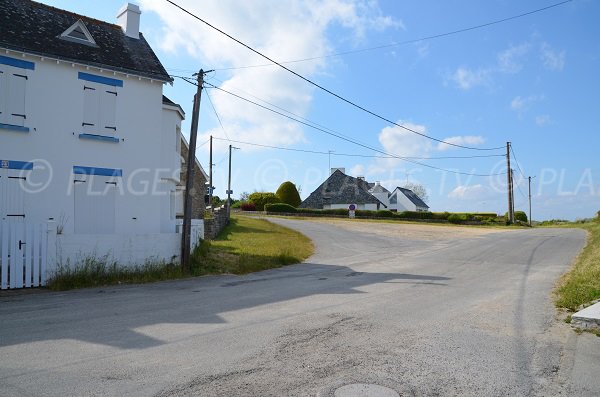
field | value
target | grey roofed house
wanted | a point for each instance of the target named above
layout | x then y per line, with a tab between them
416	200
33	28
341	189
378	188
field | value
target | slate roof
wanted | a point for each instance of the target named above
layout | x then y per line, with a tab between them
378	189
34	28
416	200
340	188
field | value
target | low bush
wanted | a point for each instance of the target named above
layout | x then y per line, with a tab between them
456	218
280	207
520	216
260	199
248	206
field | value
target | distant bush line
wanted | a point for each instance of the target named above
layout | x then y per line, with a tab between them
478	217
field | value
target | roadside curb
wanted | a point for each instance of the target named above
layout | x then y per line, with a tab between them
588	317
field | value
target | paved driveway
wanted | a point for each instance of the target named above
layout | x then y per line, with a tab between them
423	310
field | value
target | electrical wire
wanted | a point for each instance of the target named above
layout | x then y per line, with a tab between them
192	82
353	154
395	44
372	113
347	139
517	161
202	144
217	114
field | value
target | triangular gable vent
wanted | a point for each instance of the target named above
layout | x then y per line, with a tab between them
78	33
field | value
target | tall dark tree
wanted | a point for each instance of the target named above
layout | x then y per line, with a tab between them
288	194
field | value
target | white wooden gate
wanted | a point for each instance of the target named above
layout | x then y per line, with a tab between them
23	254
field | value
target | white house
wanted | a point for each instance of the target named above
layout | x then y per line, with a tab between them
86	141
341	190
402	199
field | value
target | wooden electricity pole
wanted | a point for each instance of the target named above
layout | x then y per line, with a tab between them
189	181
210	175
229	191
511	215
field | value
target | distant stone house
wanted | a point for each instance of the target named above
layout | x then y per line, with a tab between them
341	190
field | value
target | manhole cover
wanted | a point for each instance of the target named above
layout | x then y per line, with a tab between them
365	390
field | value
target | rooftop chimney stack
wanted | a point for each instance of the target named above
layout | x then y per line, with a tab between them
128	19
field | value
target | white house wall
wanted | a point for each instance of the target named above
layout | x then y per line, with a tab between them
370	207
54	108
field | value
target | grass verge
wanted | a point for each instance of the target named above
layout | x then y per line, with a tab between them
245	245
248	245
581	284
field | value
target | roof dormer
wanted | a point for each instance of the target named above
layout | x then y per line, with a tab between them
78	33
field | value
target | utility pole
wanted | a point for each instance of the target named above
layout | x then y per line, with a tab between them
530	200
229	191
210	176
512	191
511	215
189	182
329	170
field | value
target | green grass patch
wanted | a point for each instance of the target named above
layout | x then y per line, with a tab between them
581	284
248	245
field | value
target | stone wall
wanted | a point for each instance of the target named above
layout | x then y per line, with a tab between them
198	188
214	225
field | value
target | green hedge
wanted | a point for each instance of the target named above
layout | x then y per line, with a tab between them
486	217
260	199
280	207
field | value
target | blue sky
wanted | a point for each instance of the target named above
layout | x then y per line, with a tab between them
532	81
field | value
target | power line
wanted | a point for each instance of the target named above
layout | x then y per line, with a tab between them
322	87
347	139
217	114
399	43
202	144
355	154
517	161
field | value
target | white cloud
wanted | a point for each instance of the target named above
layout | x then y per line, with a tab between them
403	143
509	59
552	60
521	104
283	30
472	192
357	170
465	140
467	79
542	120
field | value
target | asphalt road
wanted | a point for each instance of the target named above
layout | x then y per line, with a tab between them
433	315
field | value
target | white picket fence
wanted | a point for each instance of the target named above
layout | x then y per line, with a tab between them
23	254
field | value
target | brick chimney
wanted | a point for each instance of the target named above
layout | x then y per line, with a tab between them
128	19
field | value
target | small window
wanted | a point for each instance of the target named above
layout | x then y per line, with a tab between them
78	33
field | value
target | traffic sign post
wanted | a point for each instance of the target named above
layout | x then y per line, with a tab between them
351	211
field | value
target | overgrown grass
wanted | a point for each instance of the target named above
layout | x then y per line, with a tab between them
249	245
246	245
581	284
96	272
